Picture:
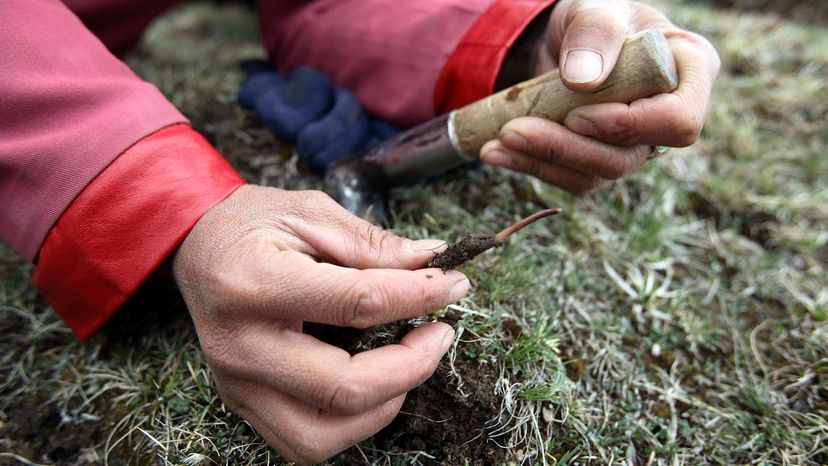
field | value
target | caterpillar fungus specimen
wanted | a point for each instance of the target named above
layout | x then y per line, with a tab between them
474	244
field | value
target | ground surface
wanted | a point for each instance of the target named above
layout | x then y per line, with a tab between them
676	317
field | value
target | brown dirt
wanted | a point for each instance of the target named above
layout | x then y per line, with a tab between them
35	428
436	418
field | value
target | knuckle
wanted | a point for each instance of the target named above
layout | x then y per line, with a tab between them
375	237
616	168
219	357
625	131
553	151
684	36
687	130
431	298
309	201
241	288
347	396
700	43
697	39
715	62
317	196
532	166
220	337
298	197
235	290
367	300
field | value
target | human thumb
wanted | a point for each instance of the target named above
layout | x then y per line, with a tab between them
594	32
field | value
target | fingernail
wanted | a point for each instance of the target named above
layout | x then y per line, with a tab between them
583	66
580	125
459	289
448	340
497	158
514	141
489	146
423	245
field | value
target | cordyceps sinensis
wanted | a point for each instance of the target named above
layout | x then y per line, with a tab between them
473	244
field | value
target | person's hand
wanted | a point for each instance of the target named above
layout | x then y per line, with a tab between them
259	264
603	142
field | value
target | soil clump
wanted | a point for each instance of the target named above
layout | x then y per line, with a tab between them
448	424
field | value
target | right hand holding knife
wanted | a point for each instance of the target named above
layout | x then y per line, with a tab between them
602	142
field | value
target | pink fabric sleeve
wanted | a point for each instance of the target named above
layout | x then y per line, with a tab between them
390	53
68	108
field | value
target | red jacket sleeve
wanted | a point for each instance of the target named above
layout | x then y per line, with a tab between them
469	74
68	108
395	55
100	176
125	224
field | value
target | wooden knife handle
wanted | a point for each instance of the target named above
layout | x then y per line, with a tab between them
645	68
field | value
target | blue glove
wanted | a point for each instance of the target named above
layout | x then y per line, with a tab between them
256	85
326	122
342	131
260	77
303	98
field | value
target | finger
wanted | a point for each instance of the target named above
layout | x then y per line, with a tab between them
674	119
303	433
287	285
594	31
570	180
337	236
547	141
328	377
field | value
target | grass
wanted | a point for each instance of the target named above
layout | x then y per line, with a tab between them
677	317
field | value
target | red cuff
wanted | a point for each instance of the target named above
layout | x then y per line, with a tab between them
127	221
472	69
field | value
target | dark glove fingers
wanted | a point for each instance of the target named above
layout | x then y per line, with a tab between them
308	88
304	98
327	123
339	133
348	144
256	85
